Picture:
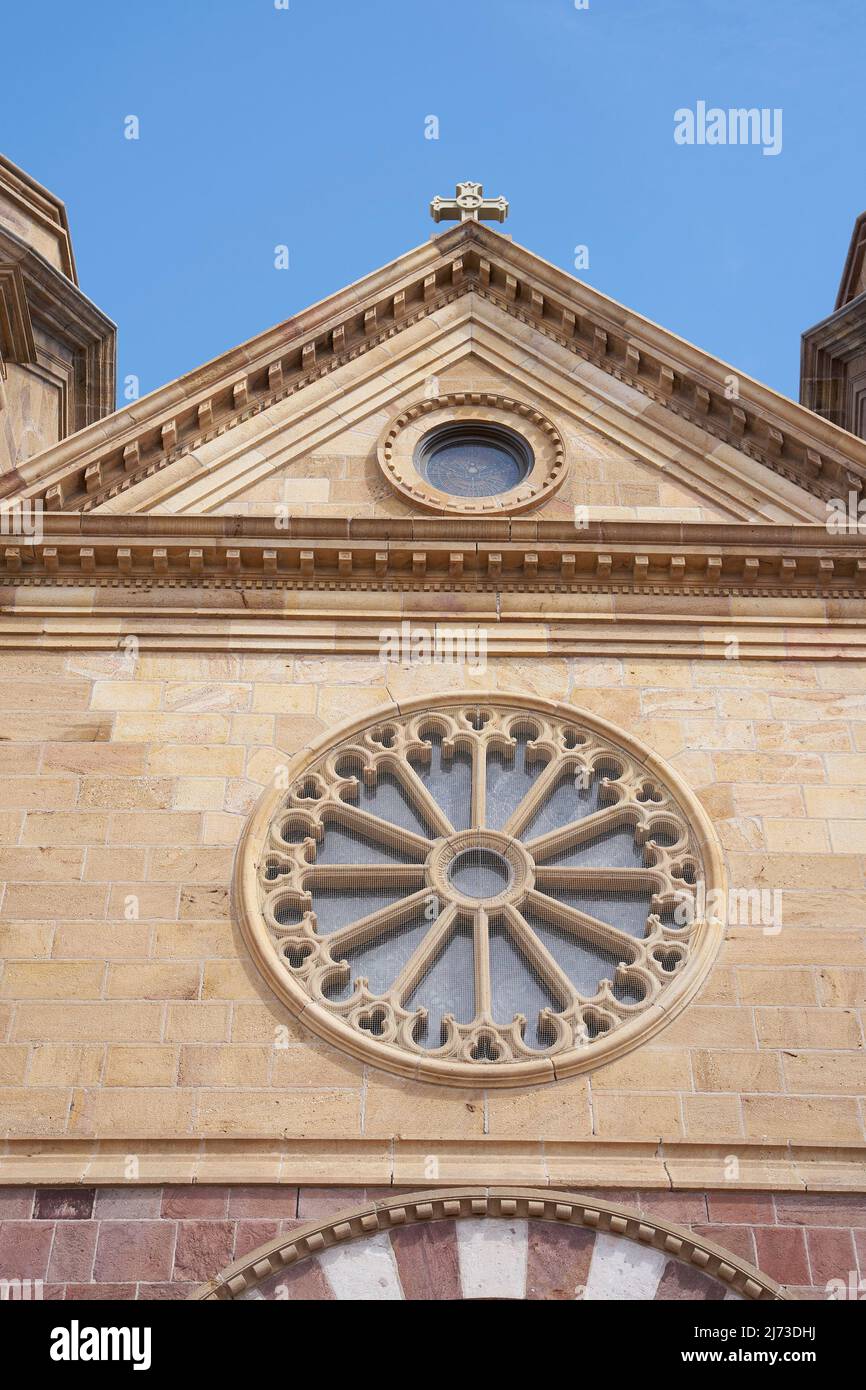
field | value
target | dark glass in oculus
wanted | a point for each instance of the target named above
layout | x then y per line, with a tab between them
473	460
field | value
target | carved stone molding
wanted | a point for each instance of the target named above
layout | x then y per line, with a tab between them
313	1240
397	450
295	871
403	1162
481	553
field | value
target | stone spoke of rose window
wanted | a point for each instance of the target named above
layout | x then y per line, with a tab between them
583	953
385	919
429	807
418	964
602	934
366	825
379	924
538	956
577	832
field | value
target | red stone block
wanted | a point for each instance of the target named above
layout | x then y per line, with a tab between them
821	1209
327	1201
738	1239
741	1208
782	1253
682	1283
558	1260
203	1249
64	1204
157	1293
622	1196
24	1249
300	1283
831	1255
426	1258
73	1250
93	1292
270	1200
16	1203
251	1234
127	1203
194	1203
685	1208
134	1250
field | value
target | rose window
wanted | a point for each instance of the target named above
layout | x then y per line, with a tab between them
506	890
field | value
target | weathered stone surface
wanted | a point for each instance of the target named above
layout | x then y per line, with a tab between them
558	1261
680	1282
427	1260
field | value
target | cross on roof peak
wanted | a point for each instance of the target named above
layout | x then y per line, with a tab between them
469	205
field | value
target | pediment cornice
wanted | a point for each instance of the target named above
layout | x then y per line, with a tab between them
507	554
111	457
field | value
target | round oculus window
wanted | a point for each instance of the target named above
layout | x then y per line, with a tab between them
497	892
472	454
481	460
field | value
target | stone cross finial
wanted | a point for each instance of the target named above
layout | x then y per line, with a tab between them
469	205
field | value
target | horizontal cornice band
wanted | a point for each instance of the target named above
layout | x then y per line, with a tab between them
347	552
369	1162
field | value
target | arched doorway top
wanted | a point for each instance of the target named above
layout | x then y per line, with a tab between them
502	1242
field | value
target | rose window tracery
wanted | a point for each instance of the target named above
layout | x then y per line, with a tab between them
495	889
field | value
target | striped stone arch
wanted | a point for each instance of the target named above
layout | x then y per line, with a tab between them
489	1243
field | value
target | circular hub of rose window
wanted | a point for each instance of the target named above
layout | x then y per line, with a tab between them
480	873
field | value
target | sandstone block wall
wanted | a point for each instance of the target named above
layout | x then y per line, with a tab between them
128	1008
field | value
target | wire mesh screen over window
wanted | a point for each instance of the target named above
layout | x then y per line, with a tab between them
479	883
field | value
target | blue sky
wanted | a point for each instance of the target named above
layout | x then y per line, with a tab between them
306	127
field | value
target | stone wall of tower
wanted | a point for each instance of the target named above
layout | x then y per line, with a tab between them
56	348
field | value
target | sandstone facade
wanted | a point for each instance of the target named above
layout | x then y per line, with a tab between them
208	597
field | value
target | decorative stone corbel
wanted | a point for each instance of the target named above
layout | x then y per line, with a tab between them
93	476
132	453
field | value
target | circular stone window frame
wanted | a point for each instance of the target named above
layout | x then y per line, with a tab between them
704	937
402	444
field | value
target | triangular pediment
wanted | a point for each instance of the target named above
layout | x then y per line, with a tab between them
673	421
321	461
611	475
